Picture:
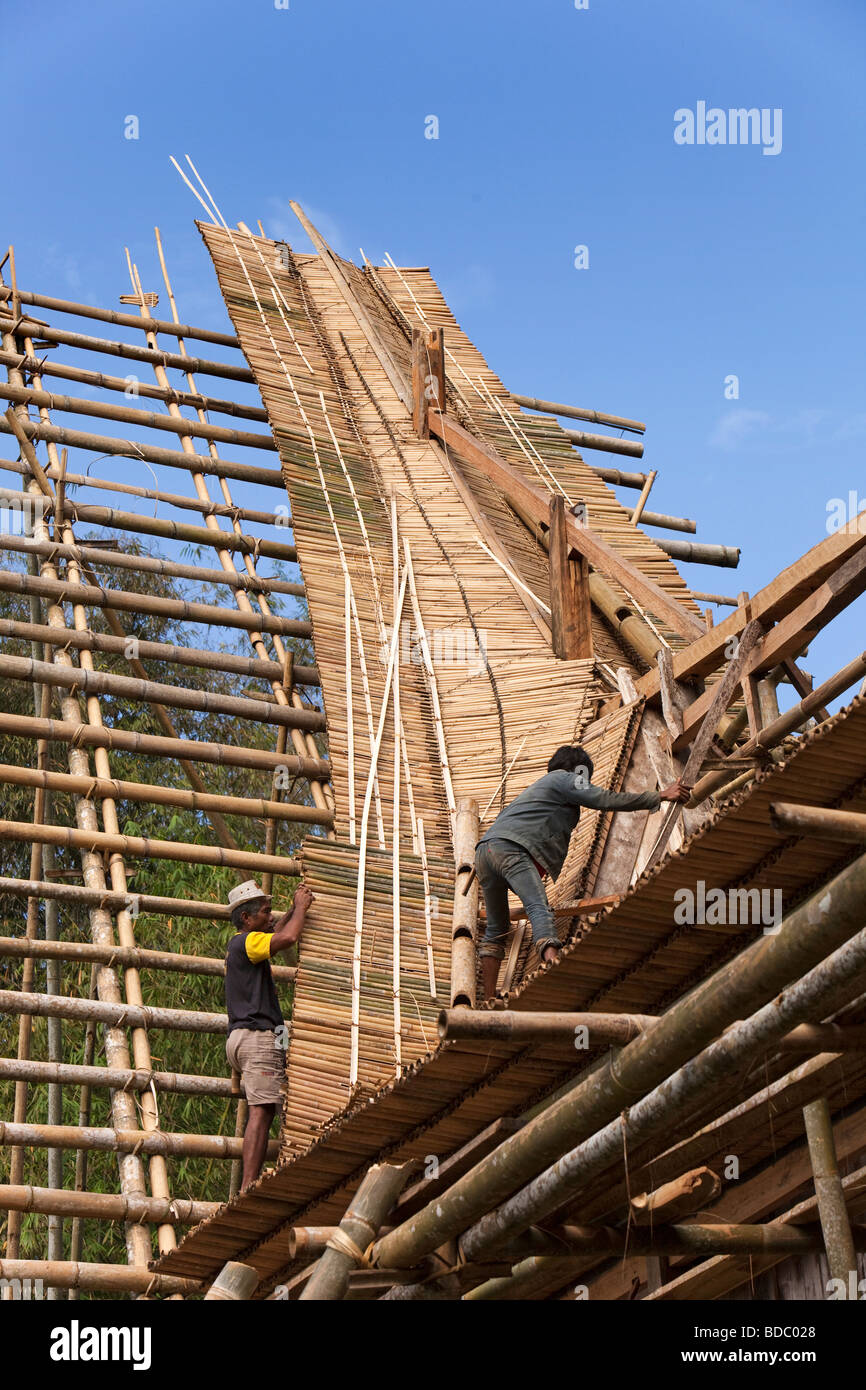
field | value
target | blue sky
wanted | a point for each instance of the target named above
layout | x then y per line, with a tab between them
555	130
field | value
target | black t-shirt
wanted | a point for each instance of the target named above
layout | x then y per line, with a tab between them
251	996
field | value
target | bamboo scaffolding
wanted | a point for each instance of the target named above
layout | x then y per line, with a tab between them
96	1278
379	1189
103	444
129	1141
128	601
170	530
144	419
91	311
136	1016
205	658
137	956
45	367
32	328
573	412
111	1078
91	682
148	564
153	745
141	847
104	1206
748	981
266	622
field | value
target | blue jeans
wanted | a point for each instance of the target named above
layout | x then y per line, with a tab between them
500	865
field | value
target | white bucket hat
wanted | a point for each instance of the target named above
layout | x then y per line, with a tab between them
246	893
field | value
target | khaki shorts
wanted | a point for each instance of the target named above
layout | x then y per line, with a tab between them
261	1063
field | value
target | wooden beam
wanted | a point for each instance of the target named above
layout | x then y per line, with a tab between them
794	819
570	606
535	501
420	400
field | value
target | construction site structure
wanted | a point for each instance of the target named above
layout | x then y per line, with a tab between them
675	1109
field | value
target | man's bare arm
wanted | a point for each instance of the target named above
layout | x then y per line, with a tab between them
288	927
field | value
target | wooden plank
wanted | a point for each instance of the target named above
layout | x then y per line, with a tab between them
535	501
570	606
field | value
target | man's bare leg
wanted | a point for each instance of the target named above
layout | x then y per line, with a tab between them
256	1142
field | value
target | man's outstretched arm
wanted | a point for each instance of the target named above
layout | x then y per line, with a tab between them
600	799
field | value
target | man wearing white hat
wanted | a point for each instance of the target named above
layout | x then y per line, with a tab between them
253	1047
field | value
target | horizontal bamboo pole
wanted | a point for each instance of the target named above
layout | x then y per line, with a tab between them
774	732
199	366
117	1078
141	847
578	1030
607	443
88	682
194	399
97	1278
143	419
677	1239
169	499
140	524
571	412
91	311
794	819
105	1206
95	897
156	746
135	957
148	564
124	1141
114	1015
694	553
254	807
619	478
203	657
664	522
153	453
723	599
127	601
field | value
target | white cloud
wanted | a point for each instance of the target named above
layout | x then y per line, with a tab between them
735	427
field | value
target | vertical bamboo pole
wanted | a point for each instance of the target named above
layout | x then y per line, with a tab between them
838	1241
464	923
395	825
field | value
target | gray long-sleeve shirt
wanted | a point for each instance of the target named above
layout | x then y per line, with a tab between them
542	818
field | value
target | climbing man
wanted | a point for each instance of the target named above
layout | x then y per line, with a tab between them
256	1045
530	838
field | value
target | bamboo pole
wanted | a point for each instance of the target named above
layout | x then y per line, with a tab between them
464	921
147	564
153	745
130	602
136	956
91	311
114	1078
805	938
170	530
135	1015
205	658
235	1283
97	1278
791	818
140	847
91	682
104	1206
572	412
44	367
695	553
577	1030
155	1144
143	419
103	444
607	443
32	328
379	1190
835	1223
